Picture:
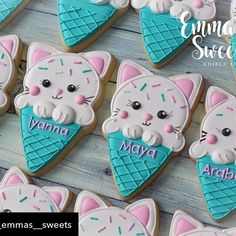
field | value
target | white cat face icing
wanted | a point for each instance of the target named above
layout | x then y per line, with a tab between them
63	86
9	46
119	4
199	9
96	218
218	131
18	195
184	225
152	107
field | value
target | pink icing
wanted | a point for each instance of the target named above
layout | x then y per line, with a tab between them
98	64
184	226
38	55
168	128
8	45
217	98
80	100
14	179
34	90
186	86
58	91
129	72
198	3
211	139
142	214
56	197
123	114
88	205
147	117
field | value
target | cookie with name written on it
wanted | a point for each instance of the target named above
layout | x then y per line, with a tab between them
82	22
185	225
18	194
62	91
9	9
10	54
148	115
161	25
215	153
97	218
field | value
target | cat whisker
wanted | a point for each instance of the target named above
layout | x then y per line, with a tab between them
204	132
203	139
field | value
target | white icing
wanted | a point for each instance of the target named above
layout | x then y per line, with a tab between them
199	228
132	131
233	9
152	138
207	12
62	70
119	4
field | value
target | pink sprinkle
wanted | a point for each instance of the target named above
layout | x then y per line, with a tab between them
110	219
102	229
123	217
34	194
51	61
156	85
134	85
36	208
169	90
3	195
3	64
132	226
173	98
59	73
19	191
77	62
148	97
88	81
230	108
71	72
182	107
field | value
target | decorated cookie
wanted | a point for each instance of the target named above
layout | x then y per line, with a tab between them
161	25
97	218
215	153
81	22
10	53
61	93
9	9
17	194
148	115
185	225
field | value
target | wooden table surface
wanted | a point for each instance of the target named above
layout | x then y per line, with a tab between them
87	166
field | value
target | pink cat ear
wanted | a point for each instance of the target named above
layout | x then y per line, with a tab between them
99	60
11	44
39	51
87	202
129	70
145	211
231	232
183	223
59	195
14	176
216	96
190	85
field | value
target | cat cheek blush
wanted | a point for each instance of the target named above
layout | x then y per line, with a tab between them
123	114
168	128
80	100
211	139
34	90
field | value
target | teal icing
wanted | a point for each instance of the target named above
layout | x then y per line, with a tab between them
41	146
132	171
219	189
233	51
80	19
162	34
7	8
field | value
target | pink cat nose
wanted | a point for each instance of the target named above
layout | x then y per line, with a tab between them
198	3
147	117
58	91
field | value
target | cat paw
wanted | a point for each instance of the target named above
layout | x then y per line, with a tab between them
120	3
160	6
178	9
152	138
111	125
3	99
21	101
63	114
133	131
44	109
223	156
85	116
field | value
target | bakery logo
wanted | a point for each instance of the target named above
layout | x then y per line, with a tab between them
202	29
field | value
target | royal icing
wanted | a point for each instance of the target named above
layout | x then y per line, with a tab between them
17	194
96	218
148	115
185	225
9	50
119	4
60	90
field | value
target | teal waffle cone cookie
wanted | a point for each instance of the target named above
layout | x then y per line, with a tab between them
81	22
62	92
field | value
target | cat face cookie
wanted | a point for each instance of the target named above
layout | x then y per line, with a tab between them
215	153
82	22
161	25
185	225
61	93
17	194
10	9
10	53
148	115
96	217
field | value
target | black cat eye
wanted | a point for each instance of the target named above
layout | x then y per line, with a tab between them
226	131
162	114
71	88
46	83
136	105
